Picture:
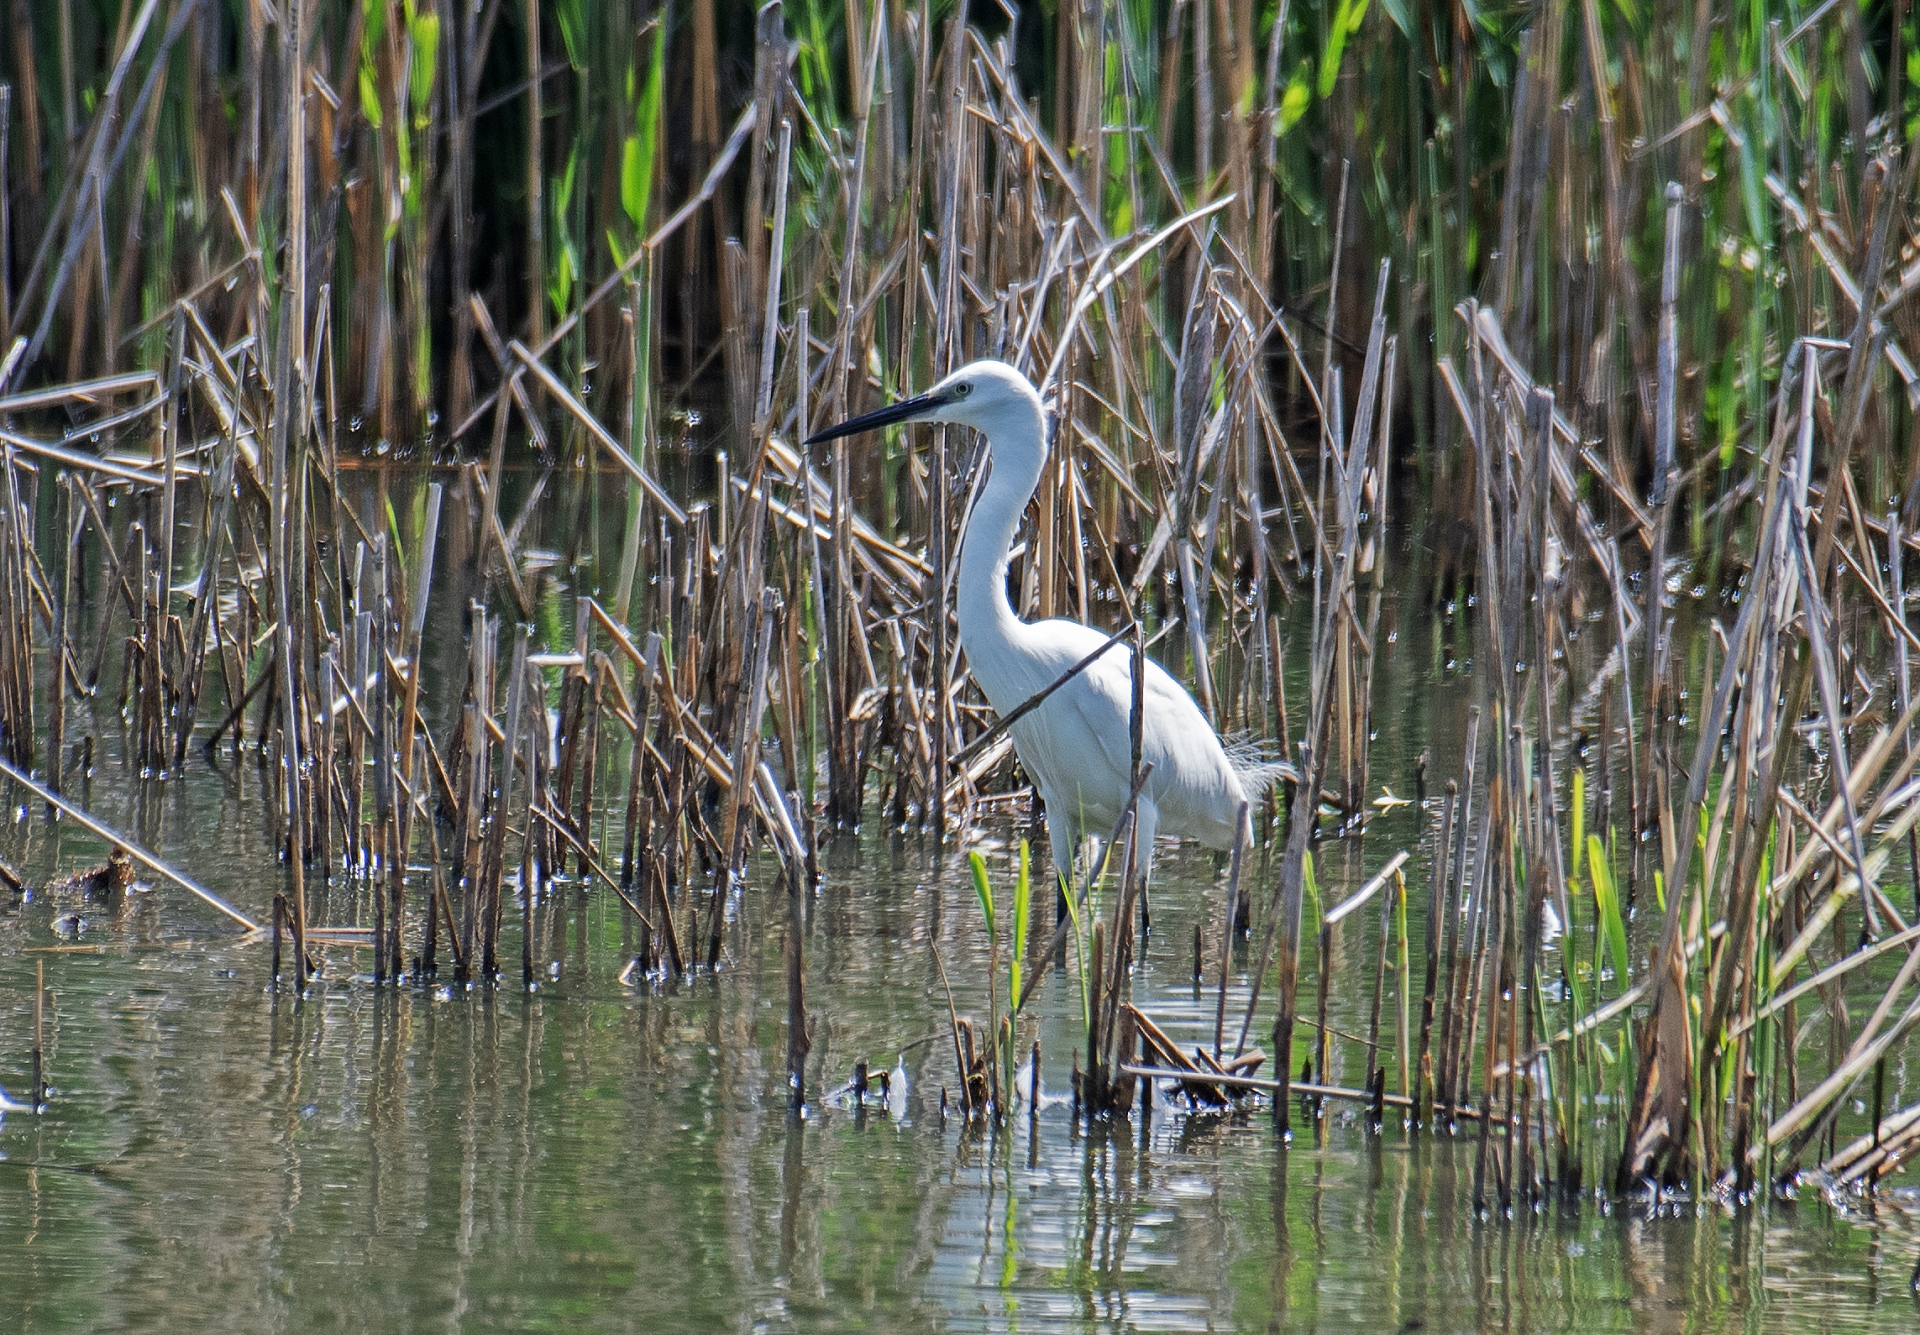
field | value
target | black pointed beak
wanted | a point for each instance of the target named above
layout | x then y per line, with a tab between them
896	412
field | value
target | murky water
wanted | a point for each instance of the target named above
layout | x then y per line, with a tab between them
605	1156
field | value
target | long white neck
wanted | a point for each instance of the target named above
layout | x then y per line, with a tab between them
986	618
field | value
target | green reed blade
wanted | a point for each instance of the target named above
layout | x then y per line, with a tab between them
1607	906
1022	904
642	148
983	888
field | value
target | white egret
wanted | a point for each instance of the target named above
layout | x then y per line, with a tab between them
1077	745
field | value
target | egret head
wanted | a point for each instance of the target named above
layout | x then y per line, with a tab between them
989	396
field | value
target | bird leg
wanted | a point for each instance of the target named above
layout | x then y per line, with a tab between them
1146	827
1060	834
1057	946
1243	840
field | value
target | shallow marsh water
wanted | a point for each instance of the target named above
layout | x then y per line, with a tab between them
602	1155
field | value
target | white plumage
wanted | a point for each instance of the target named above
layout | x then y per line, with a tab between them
1077	745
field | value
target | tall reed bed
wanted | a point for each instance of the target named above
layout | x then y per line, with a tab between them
1601	303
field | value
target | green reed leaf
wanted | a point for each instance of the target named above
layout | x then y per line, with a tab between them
426	56
1022	908
983	888
641	149
1607	904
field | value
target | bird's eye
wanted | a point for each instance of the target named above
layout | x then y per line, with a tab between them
961	391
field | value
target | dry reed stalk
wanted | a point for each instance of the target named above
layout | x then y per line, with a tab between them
37	1095
799	1024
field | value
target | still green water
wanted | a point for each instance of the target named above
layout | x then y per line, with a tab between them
607	1157
604	1155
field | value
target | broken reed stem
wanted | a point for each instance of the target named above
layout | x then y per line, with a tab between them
38	1095
799	1030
